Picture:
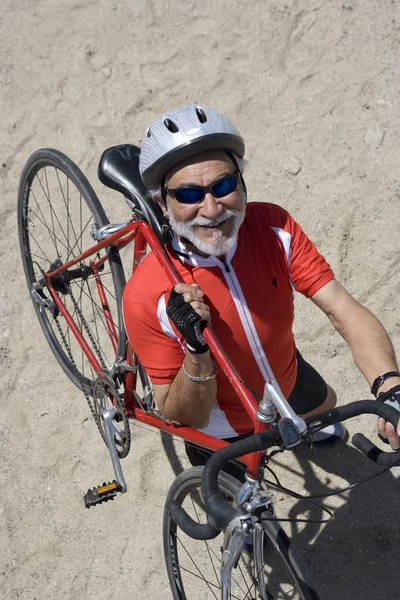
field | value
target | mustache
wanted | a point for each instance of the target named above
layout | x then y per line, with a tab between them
227	213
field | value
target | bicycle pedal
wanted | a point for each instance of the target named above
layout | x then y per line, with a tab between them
100	494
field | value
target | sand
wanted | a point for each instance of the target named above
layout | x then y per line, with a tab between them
314	88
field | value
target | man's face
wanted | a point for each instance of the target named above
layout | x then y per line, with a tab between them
212	225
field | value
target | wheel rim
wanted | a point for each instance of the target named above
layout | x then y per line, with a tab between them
57	222
195	565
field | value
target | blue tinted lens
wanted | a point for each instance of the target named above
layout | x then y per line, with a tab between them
195	195
189	195
224	187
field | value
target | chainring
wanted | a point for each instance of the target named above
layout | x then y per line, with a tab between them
105	396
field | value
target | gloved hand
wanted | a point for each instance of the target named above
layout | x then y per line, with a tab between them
391	398
190	315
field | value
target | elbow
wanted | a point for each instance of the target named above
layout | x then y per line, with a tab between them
193	421
199	424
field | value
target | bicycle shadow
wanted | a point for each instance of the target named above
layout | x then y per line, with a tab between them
167	442
355	554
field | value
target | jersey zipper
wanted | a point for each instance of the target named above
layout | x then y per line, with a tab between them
247	321
226	266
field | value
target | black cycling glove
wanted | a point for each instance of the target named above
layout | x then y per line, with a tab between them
391	398
187	322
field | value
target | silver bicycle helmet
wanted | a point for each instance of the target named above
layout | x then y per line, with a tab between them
180	133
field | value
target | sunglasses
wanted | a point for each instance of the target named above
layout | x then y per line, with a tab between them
195	194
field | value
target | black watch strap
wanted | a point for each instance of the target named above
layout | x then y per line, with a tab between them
379	380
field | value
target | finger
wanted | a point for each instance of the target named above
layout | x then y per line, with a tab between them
197	289
190	297
182	288
381	426
392	436
197	305
204	314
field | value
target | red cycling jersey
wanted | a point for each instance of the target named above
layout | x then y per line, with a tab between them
250	296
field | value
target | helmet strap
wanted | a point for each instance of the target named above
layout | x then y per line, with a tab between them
163	192
233	159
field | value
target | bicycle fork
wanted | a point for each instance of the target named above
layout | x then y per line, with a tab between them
252	498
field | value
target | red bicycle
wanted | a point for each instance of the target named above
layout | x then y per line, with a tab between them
75	263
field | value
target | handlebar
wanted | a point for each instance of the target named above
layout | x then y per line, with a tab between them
221	513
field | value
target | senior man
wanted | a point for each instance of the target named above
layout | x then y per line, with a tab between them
245	260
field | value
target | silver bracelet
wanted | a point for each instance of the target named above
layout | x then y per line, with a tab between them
207	378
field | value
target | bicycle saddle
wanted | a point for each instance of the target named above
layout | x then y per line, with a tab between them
119	170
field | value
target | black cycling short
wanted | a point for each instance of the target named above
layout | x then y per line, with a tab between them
309	392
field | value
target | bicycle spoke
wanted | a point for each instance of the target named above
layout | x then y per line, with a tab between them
41	249
207	545
81	331
56	207
80	213
199	574
89	331
239	566
55	236
41	212
78	240
41	257
107	290
98	308
53	212
66	206
94	316
209	583
51	208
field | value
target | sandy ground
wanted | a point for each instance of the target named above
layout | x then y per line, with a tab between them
311	85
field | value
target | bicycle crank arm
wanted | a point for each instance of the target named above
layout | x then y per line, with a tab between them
106	492
111	429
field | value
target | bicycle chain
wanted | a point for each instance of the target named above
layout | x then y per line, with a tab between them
90	401
87	328
71	358
106	385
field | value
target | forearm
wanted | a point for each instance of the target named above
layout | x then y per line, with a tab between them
369	343
190	402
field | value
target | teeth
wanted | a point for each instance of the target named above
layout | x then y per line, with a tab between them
214	225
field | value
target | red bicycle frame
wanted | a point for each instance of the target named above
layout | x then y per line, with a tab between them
140	233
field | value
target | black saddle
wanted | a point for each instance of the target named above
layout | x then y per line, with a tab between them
119	170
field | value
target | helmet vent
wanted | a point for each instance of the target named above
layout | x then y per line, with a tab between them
170	125
201	115
148	132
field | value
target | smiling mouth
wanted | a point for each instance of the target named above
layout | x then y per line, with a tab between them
215	225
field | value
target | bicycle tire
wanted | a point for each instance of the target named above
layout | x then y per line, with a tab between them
286	573
49	171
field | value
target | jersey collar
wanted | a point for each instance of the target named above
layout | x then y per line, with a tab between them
196	260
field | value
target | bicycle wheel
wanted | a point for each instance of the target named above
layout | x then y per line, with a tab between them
194	566
57	208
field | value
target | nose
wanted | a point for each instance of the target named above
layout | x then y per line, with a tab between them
209	207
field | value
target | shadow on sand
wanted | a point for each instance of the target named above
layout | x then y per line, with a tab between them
355	555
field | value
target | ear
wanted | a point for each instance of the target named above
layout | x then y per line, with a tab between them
161	204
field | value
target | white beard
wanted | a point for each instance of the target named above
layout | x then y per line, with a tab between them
219	243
